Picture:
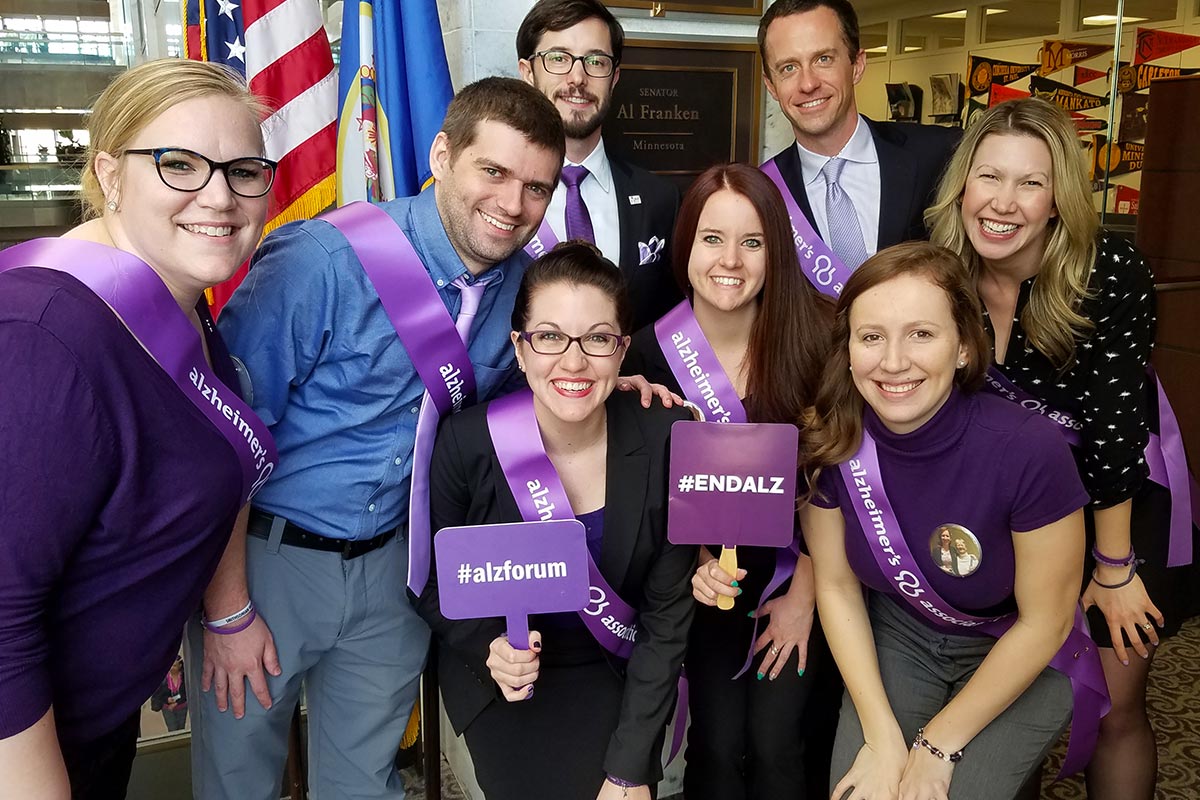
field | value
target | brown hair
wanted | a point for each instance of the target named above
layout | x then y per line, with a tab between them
834	429
786	8
558	15
136	97
789	339
511	102
576	263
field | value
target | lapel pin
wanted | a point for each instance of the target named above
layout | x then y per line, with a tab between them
635	199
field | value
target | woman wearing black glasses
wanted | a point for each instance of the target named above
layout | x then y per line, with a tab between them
580	714
128	451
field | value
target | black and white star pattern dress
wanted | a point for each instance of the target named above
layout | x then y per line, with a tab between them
1108	390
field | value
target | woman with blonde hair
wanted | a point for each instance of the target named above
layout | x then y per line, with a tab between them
128	451
1070	313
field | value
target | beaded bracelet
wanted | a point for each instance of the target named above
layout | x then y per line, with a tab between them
920	741
212	624
241	626
1113	562
1133	565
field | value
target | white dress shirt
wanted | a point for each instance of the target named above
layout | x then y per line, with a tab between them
601	200
859	180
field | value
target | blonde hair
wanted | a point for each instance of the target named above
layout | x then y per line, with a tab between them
136	97
1052	319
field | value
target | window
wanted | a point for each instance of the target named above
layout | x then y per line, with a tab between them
1099	14
934	31
874	39
1020	19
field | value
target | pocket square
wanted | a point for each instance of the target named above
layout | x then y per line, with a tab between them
649	252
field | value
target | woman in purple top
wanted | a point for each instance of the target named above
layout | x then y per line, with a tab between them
768	330
1070	313
935	708
118	491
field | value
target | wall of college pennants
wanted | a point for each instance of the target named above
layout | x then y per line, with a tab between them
1078	76
1075	74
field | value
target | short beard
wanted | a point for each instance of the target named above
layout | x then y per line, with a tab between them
576	128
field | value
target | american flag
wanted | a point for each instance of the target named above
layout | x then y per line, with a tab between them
281	48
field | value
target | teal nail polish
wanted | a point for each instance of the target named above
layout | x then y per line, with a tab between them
734	584
760	676
739	594
750	614
800	673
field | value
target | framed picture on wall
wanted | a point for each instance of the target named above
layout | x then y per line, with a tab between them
748	7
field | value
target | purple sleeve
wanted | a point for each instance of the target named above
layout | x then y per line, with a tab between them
54	477
825	494
1047	485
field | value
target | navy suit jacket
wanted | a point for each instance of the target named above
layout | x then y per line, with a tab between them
911	160
646	209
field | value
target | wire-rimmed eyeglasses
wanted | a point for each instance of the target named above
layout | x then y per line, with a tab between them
188	171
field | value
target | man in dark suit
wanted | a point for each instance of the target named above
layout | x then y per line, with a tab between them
570	50
888	171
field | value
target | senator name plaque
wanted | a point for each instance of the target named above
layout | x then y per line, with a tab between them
680	107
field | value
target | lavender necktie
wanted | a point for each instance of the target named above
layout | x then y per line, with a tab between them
579	221
845	234
427	420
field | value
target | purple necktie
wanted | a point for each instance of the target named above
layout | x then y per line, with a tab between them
427	420
845	234
579	221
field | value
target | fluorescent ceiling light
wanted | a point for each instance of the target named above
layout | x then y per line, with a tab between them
962	13
1109	19
880	49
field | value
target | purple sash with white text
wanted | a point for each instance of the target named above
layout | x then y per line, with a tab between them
540	495
705	384
427	332
1078	657
1164	455
695	366
137	295
824	270
543	241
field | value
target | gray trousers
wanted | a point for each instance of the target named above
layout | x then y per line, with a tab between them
923	669
346	632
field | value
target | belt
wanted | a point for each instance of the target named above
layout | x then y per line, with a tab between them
294	535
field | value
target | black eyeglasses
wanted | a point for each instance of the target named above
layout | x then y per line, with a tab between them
555	343
188	171
560	62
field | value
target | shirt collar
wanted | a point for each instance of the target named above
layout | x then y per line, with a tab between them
860	148
598	166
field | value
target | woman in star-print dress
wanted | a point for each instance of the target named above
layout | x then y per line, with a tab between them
1071	314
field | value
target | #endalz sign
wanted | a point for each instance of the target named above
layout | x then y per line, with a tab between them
732	484
512	570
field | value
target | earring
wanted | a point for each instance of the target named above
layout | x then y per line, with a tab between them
111	205
962	364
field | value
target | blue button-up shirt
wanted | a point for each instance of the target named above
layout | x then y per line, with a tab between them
329	374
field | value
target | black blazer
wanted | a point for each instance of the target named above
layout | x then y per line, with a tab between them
646	210
911	161
467	487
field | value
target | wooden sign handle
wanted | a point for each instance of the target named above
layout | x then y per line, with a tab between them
727	562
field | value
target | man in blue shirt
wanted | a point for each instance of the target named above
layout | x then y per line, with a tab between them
326	559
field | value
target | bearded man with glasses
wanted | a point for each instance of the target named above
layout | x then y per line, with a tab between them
570	51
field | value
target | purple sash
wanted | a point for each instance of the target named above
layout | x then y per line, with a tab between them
824	270
695	366
1078	657
1164	455
540	495
427	332
135	292
705	384
543	241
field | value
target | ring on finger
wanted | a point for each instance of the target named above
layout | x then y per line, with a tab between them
1147	626
774	650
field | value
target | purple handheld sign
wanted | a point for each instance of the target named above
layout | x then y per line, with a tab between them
512	570
733	484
